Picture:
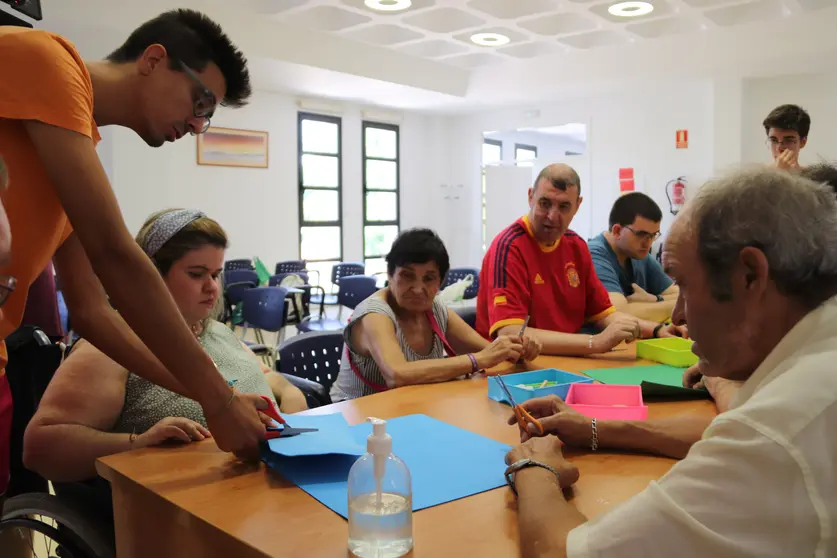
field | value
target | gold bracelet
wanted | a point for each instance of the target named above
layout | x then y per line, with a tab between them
225	407
133	436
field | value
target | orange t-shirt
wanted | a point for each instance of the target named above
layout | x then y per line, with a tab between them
44	79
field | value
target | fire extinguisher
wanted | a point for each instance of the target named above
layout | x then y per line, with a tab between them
676	194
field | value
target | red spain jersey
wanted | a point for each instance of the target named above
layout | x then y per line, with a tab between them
555	285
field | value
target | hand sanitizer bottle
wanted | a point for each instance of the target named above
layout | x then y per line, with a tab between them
380	500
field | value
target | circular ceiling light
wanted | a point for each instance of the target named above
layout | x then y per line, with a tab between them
388	5
489	39
630	9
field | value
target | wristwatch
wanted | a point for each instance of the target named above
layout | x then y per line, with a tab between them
522	464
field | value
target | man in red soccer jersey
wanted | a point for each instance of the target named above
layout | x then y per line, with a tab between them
537	267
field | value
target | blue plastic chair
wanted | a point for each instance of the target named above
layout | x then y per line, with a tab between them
458	273
236	282
231	265
290	266
468	314
264	310
353	290
312	357
338	272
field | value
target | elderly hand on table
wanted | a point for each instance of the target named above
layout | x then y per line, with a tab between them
557	418
547	451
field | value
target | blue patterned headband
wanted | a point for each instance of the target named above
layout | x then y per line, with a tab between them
166	226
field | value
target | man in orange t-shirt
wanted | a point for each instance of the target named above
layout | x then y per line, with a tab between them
539	268
163	82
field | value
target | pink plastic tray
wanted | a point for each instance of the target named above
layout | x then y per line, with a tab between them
607	402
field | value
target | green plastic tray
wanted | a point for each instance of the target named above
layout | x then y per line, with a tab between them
674	351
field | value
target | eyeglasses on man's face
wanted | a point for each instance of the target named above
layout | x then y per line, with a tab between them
644	235
203	98
7	287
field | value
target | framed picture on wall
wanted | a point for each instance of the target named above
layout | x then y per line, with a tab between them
228	147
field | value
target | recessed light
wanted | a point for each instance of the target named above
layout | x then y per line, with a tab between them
388	5
489	39
631	9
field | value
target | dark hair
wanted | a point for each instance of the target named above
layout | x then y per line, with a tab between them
824	173
562	183
194	39
418	246
788	117
632	205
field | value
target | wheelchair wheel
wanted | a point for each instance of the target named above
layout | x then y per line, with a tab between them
68	534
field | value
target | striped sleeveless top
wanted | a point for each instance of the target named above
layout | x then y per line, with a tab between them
348	385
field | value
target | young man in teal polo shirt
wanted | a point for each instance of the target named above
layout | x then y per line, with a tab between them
634	280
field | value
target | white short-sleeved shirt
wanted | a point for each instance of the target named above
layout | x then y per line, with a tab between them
763	480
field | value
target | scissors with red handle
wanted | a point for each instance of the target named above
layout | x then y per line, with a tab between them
284	430
522	415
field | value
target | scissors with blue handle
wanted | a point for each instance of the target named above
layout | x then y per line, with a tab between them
522	415
284	430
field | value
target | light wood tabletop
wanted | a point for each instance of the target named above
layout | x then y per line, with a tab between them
195	500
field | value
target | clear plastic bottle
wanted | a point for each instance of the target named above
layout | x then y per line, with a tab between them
380	500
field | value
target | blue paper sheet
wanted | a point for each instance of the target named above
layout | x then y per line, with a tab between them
332	437
446	463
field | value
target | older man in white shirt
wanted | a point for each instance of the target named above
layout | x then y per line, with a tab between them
755	258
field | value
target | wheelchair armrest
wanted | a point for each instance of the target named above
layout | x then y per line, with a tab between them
315	394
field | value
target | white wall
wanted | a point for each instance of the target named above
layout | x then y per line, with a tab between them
259	207
813	92
550	146
634	129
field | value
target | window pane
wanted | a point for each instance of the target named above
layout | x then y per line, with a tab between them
319	136
321	276
319	205
378	240
319	243
491	153
521	155
320	170
381	143
377	266
381	175
381	206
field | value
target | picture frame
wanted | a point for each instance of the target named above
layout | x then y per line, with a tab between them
231	147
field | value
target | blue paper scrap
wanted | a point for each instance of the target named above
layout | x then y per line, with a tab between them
446	463
333	436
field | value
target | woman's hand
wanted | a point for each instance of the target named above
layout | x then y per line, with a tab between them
503	348
557	418
172	428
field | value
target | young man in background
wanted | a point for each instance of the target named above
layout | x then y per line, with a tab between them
634	280
787	128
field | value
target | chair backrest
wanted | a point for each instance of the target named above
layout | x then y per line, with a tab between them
290	266
238	264
468	314
458	273
264	307
276	280
237	281
346	269
314	356
354	289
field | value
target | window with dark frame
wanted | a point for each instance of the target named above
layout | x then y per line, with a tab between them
381	203
525	154
320	194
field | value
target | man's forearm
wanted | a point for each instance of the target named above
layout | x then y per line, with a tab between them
554	342
68	452
652	311
141	297
545	518
105	329
670	437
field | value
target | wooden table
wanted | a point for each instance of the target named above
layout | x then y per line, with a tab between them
198	501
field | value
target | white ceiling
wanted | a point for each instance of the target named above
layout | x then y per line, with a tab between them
422	58
441	29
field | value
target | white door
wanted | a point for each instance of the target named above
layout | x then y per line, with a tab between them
506	198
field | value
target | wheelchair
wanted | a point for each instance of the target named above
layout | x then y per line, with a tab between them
78	519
